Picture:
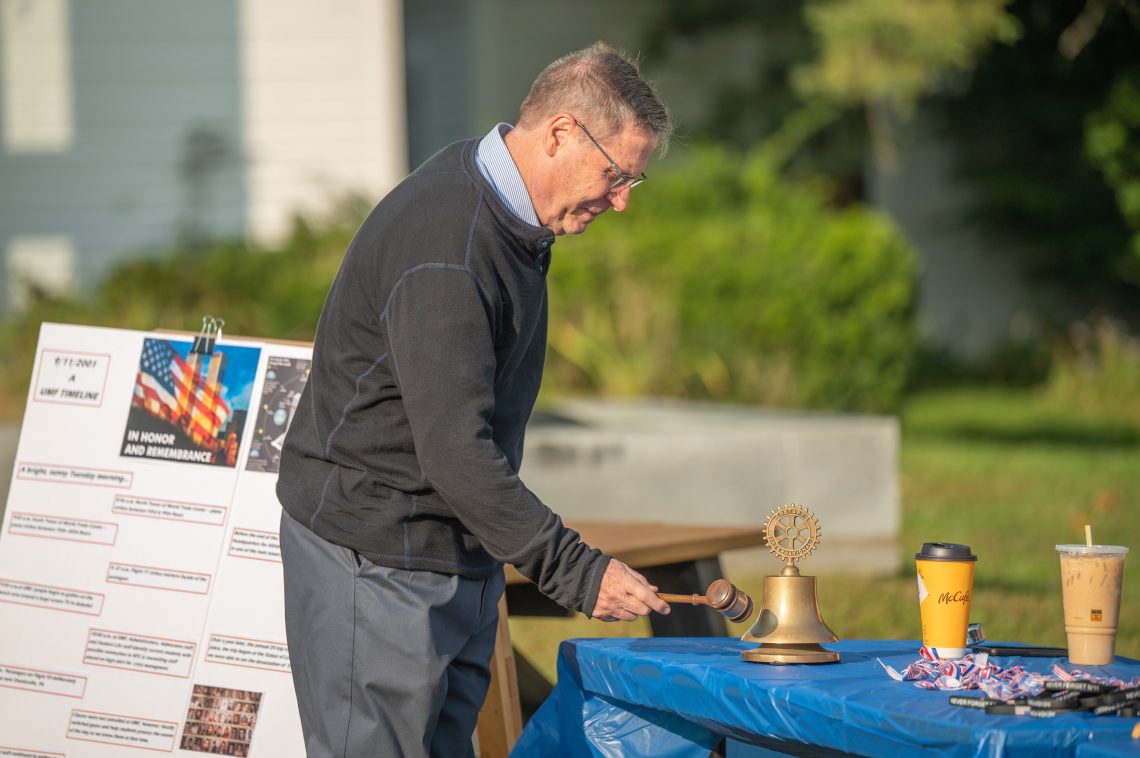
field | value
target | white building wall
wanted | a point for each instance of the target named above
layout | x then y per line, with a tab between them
972	297
323	100
141	78
162	120
35	43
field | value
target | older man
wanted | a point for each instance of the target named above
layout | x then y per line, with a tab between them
399	476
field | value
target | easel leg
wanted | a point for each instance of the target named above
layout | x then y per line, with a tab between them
500	720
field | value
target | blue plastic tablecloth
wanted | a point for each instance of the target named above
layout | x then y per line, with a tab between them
674	697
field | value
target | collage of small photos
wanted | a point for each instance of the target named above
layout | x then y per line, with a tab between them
220	720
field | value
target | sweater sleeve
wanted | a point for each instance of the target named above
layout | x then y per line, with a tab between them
441	337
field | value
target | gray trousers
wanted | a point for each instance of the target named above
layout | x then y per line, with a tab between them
385	662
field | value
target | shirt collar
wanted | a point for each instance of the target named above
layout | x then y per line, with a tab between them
498	168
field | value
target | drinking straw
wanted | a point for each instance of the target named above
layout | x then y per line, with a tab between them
1088	535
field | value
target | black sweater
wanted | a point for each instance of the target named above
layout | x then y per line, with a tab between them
427	360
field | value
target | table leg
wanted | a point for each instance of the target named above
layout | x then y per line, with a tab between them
533	686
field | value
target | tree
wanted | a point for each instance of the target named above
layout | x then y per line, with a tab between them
1043	141
1037	98
885	55
1112	143
878	56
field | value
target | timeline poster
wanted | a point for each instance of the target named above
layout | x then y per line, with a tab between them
111	561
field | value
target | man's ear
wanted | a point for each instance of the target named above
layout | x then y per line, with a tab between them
557	132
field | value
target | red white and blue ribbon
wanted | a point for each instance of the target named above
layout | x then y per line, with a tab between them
977	672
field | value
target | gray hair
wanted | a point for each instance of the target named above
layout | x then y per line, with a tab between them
602	86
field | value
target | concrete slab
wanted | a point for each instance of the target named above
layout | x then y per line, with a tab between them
655	460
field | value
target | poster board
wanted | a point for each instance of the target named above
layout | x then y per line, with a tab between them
140	575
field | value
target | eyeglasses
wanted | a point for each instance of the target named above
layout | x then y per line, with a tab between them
624	180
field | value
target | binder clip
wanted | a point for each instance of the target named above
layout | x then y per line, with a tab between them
206	408
208	336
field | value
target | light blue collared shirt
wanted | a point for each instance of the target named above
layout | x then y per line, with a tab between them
498	167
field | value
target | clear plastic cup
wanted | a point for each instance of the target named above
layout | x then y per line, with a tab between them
1091	578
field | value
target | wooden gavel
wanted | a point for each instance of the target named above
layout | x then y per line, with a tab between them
722	596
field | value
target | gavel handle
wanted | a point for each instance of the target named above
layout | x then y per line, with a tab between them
691	599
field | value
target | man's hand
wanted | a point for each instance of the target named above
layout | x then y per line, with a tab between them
625	595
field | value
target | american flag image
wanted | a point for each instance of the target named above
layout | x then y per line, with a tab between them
164	381
206	413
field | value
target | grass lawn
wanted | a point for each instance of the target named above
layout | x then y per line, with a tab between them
1006	472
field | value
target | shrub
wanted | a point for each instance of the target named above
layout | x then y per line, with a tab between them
725	281
1098	369
273	292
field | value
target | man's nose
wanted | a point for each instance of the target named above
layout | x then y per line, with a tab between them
619	199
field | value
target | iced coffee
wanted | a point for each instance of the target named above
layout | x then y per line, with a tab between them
1091	578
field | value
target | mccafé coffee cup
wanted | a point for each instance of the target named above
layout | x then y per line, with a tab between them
945	580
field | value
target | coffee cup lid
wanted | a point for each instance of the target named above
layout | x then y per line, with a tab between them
1093	549
945	551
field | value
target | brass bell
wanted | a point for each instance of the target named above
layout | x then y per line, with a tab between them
790	627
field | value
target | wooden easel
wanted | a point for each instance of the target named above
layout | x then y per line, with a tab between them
500	720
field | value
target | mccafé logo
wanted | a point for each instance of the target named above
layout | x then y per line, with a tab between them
953	597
